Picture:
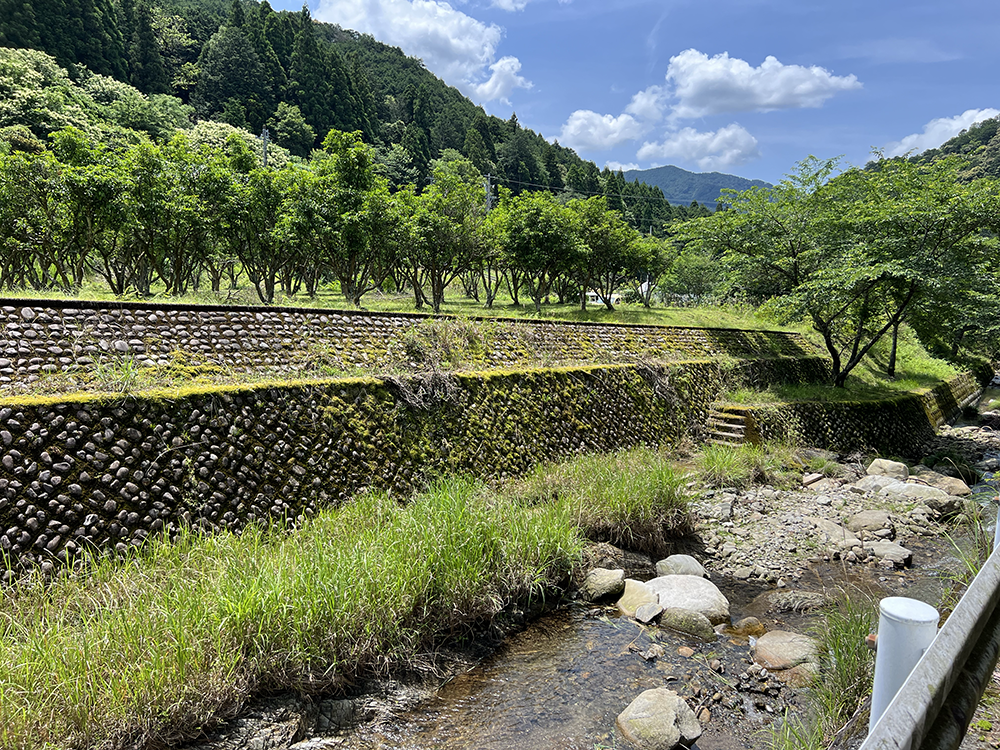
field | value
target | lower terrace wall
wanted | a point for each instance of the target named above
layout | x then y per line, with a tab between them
892	427
105	473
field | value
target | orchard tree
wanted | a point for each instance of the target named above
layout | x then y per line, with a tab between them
447	227
607	248
539	240
853	254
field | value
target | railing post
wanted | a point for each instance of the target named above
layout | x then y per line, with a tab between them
906	628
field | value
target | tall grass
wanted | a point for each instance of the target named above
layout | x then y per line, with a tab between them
836	701
634	498
147	650
743	465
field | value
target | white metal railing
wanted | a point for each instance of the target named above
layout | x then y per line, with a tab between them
934	706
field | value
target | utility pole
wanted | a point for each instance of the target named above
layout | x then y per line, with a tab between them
263	138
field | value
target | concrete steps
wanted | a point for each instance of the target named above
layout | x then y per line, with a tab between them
725	427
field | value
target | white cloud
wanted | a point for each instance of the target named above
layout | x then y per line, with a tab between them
706	85
510	5
614	166
452	44
938	131
649	104
698	86
730	146
589	131
502	82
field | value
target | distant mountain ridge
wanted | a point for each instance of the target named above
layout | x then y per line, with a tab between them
681	187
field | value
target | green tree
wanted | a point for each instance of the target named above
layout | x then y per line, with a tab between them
539	240
607	247
147	71
447	227
291	130
230	73
308	81
853	255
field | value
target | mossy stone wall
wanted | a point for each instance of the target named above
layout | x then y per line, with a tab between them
105	473
51	336
893	426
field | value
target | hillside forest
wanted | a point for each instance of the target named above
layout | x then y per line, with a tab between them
129	156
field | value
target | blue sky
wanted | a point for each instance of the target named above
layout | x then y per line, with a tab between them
747	87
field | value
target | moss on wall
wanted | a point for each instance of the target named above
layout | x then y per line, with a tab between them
105	473
894	426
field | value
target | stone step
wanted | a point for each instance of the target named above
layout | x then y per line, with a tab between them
737	436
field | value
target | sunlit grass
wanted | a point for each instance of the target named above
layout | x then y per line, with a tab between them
743	465
634	498
329	297
156	646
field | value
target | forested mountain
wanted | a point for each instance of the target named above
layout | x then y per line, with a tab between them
682	187
979	147
242	63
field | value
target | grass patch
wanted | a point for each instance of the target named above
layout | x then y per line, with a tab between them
743	465
147	650
825	466
634	498
916	371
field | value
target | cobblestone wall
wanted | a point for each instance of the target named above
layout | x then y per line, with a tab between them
98	472
54	337
104	474
894	426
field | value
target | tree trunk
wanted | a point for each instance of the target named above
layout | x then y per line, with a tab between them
891	369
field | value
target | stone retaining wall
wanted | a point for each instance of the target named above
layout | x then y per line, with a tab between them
894	426
51	337
105	473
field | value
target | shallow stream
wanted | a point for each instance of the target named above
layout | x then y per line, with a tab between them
562	681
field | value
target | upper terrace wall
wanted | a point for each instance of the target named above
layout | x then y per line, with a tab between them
96	471
45	337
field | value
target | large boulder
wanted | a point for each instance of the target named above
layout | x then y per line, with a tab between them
951	485
602	583
681	565
834	534
782	649
894	552
691	592
689	622
869	521
909	491
635	595
658	719
886	468
947	506
875	482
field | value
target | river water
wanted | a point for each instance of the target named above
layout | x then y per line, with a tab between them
562	681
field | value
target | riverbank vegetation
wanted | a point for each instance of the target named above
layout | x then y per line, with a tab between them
147	650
